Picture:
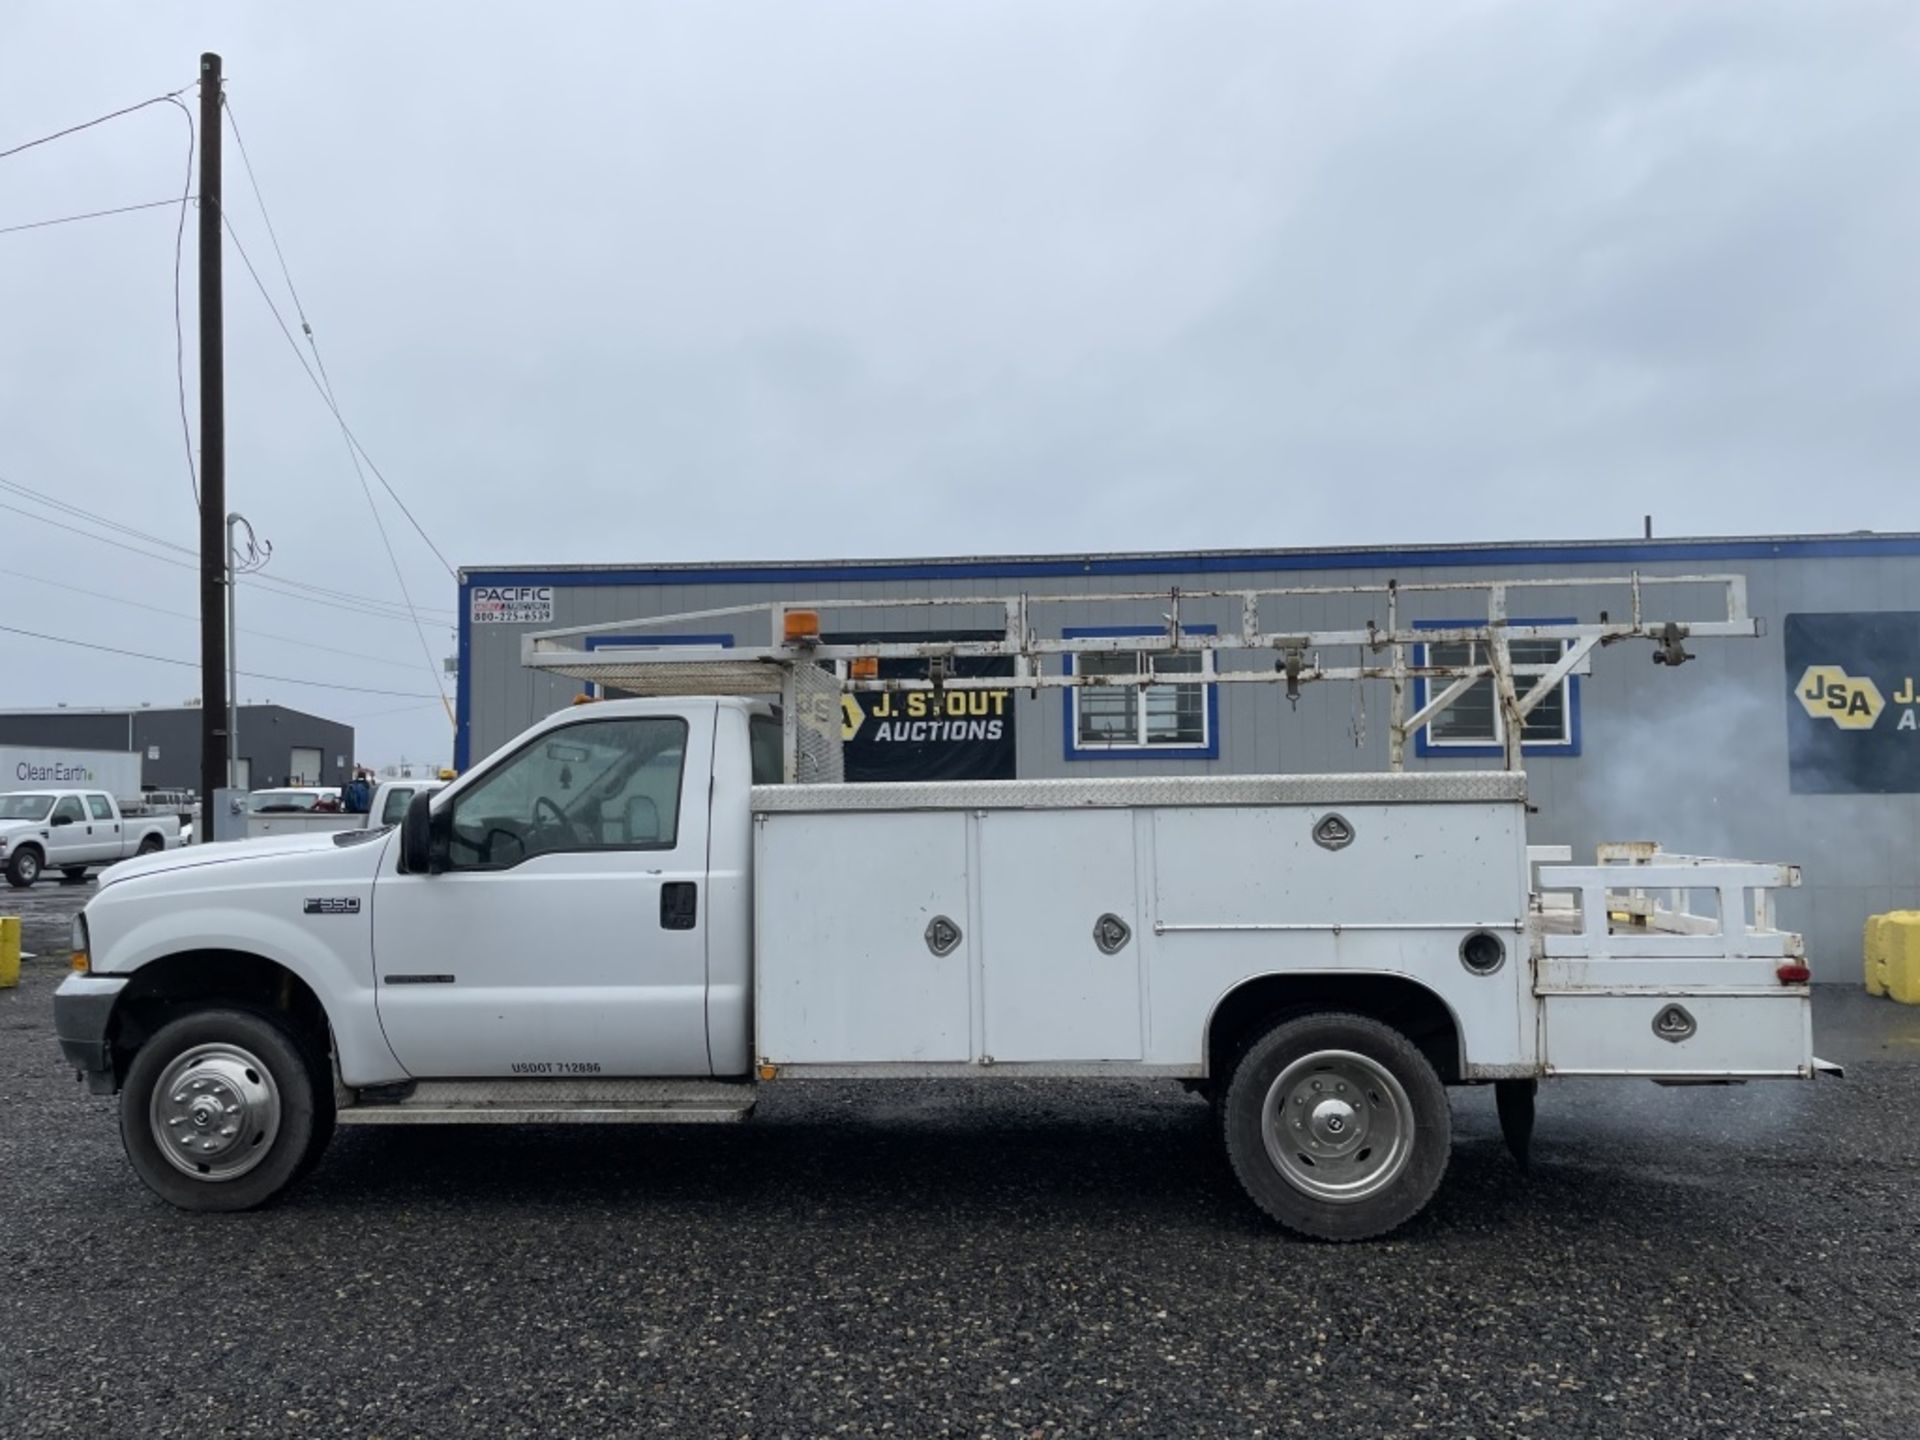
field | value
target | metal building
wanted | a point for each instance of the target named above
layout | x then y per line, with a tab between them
274	745
1800	745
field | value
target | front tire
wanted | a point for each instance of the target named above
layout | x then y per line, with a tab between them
24	868
222	1110
1337	1126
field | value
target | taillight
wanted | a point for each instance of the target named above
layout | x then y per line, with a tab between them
1794	972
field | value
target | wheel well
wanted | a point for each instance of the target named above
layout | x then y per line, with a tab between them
164	989
1252	1008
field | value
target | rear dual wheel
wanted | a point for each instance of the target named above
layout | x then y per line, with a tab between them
1337	1126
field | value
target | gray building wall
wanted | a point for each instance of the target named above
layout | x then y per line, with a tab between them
1695	758
266	736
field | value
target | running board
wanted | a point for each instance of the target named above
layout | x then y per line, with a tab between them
558	1102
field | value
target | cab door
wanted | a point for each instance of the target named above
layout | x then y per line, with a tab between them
105	840
565	932
68	842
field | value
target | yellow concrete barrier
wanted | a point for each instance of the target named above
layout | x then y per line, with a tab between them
9	951
1893	955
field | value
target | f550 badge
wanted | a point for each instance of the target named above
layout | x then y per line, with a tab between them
333	905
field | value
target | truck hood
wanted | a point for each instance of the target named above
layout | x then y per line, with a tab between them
267	847
19	829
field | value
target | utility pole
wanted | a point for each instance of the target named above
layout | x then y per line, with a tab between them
214	579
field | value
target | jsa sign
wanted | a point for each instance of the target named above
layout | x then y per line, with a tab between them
1853	719
512	605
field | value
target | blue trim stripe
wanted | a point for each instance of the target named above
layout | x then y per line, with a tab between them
463	682
1619	552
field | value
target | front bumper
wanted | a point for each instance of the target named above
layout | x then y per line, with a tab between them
82	1006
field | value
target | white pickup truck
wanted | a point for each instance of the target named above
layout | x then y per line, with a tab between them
73	831
292	810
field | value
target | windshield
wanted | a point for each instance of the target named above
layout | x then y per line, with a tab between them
267	802
25	807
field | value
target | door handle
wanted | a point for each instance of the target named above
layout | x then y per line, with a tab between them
679	905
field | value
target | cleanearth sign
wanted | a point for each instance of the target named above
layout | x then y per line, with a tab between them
24	767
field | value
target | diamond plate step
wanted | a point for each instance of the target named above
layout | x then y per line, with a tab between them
561	1102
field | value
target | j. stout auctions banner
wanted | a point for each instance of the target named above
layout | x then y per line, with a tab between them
918	735
1852	703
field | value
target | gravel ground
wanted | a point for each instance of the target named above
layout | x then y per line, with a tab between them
1011	1260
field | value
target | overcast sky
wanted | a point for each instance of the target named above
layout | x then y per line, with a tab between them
697	281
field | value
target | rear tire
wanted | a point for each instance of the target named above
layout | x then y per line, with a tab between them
222	1110
24	868
150	845
1337	1126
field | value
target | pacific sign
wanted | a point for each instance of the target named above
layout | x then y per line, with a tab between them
1853	724
511	605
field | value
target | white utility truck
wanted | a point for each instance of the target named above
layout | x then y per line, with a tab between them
74	831
645	909
293	810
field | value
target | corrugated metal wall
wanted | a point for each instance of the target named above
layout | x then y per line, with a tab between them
1696	758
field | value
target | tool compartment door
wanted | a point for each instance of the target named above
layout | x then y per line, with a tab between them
846	969
1048	880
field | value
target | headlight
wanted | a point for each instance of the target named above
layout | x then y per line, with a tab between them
82	956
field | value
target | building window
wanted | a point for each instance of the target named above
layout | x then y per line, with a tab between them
1472	725
1179	719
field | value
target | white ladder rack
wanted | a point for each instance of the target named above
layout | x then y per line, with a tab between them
1382	649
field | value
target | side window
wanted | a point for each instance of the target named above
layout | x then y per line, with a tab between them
1175	717
395	810
68	809
1473	723
769	750
102	808
598	785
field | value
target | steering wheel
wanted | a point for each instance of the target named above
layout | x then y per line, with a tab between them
560	820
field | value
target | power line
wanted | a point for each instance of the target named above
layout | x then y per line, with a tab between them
326	391
28	493
98	120
395	710
195	665
324	384
87	215
148	537
179	239
150	609
325	396
356	607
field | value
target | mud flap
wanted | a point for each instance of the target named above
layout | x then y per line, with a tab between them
1514	1100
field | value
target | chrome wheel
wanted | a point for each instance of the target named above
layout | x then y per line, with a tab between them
215	1112
1337	1125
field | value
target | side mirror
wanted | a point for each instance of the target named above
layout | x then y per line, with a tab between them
63	820
417	849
